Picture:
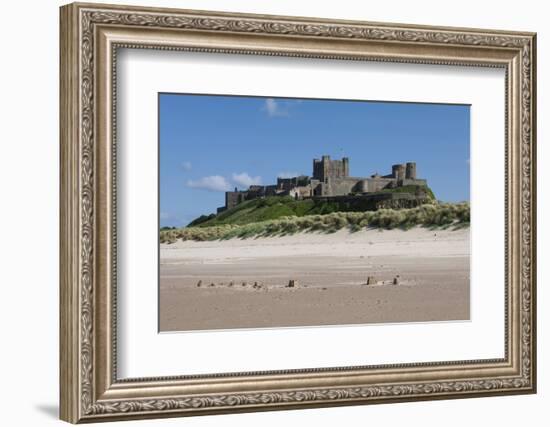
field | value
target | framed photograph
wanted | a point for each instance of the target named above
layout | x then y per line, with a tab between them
266	212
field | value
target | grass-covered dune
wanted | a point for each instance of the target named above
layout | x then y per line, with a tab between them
428	215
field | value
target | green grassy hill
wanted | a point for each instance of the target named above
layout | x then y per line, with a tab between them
265	209
270	208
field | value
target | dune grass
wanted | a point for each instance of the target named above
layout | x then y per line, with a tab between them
441	215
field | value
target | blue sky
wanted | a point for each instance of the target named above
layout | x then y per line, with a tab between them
210	143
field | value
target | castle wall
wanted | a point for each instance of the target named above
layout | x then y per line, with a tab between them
317	187
362	186
270	190
368	202
370	185
233	198
330	179
300	192
340	186
285	183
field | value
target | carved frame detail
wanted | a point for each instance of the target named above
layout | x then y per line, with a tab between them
81	397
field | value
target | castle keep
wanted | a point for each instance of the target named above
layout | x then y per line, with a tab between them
331	179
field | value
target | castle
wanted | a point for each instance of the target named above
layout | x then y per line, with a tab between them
331	179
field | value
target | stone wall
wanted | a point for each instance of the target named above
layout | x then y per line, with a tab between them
372	202
233	198
340	186
376	184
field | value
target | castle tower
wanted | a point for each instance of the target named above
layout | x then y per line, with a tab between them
398	172
345	166
326	168
410	172
321	168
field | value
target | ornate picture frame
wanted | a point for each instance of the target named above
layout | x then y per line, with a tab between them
90	37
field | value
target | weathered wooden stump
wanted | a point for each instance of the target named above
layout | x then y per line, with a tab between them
371	280
292	284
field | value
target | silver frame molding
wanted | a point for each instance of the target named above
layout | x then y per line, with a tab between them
90	37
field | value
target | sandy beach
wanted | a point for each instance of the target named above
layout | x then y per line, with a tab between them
371	276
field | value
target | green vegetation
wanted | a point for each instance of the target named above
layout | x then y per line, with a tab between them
265	209
413	189
201	219
429	215
270	208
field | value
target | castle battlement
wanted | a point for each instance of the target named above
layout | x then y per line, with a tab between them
330	178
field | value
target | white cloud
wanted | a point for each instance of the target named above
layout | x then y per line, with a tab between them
210	183
165	215
245	180
274	108
187	166
287	174
221	183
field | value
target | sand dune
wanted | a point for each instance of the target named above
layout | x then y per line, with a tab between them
413	275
